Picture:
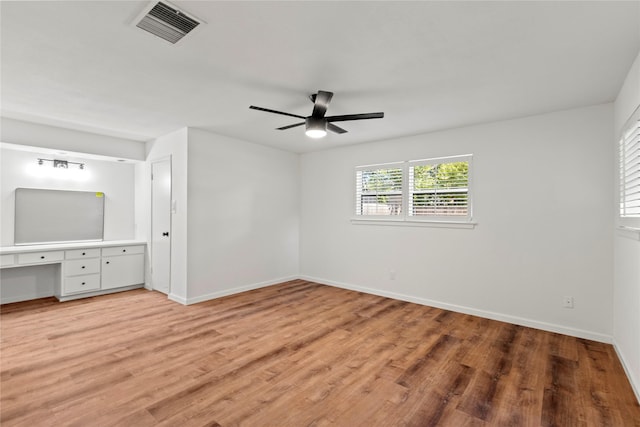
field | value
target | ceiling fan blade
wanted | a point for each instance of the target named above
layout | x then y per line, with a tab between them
320	103
290	126
348	117
335	129
253	107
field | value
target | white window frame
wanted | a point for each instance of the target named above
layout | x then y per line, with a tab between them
629	143
406	219
436	161
358	198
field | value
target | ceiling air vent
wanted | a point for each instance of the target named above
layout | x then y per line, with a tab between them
167	23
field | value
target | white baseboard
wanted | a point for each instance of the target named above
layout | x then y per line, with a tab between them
550	327
635	385
178	299
237	290
98	293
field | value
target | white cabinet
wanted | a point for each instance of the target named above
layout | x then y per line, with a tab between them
40	257
122	266
81	271
123	250
82	254
7	260
82	266
84	283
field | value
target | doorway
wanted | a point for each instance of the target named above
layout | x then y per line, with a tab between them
161	225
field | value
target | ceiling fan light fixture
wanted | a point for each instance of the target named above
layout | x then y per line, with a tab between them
316	133
316	128
317	124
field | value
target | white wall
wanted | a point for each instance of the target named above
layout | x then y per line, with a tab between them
174	146
116	180
44	136
629	97
543	202
626	293
20	169
242	215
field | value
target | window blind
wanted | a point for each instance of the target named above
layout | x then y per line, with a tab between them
630	172
439	188
379	190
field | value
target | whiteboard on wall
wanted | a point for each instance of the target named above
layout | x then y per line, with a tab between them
55	216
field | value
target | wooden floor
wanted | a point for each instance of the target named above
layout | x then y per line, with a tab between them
296	354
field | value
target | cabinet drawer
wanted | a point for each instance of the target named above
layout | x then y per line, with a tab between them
81	266
85	283
122	250
40	257
7	260
82	253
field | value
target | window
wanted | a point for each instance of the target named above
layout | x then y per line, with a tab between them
417	190
379	190
438	190
630	170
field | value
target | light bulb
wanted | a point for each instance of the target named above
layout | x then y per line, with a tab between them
316	133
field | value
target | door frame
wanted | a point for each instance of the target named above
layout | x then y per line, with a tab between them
151	213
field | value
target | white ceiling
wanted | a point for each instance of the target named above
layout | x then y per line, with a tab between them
427	65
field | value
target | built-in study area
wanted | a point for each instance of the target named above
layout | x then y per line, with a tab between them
68	223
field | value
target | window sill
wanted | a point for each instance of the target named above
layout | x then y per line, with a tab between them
413	223
629	232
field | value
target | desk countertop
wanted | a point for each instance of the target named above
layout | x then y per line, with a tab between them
5	250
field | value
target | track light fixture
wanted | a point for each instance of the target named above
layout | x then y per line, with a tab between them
61	164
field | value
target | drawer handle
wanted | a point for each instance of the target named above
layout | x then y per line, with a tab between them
83	253
83	266
83	283
124	250
42	257
107	262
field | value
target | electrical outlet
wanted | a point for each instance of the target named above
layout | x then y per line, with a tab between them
567	302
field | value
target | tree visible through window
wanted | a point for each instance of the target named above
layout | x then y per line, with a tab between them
439	189
432	189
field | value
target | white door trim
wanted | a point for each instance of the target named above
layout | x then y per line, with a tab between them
151	237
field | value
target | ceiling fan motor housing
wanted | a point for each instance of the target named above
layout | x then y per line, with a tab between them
316	123
316	127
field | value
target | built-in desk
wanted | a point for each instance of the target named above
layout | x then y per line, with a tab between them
85	269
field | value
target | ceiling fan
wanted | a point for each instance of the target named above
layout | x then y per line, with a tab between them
317	124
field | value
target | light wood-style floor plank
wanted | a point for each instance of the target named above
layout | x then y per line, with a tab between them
295	354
